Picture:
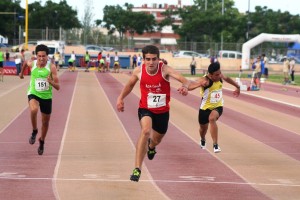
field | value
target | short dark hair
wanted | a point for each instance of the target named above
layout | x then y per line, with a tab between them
41	47
150	49
213	67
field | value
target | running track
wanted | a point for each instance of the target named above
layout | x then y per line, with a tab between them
90	147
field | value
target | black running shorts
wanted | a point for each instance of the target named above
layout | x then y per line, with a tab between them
160	122
203	116
45	104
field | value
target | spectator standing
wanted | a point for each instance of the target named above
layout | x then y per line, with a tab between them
18	62
265	61
292	70
139	60
7	55
1	64
193	66
286	68
134	61
57	58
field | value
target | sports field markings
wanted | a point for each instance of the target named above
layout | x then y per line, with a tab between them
281	183
269	99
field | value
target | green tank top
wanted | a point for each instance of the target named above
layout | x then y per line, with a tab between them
87	57
1	56
39	86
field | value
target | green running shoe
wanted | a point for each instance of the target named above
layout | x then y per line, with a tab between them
135	175
151	152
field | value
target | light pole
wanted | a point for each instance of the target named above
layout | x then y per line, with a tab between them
222	31
248	22
26	25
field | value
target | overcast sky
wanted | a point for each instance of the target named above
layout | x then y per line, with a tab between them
284	5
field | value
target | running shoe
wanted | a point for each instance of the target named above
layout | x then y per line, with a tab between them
33	137
203	144
217	149
135	175
41	147
151	152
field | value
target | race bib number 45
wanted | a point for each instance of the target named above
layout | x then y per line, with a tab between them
216	96
41	84
156	100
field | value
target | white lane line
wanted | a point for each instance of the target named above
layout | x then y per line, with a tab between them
161	181
266	98
13	88
55	191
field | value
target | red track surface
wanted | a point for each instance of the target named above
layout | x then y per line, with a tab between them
23	173
181	170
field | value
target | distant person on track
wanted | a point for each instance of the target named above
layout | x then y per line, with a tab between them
153	111
72	62
43	79
87	61
116	63
1	65
107	62
211	107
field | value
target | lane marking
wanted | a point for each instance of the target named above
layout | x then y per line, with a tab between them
266	98
55	191
282	183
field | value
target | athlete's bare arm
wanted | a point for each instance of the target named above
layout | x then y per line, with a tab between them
26	64
128	88
236	92
200	82
169	71
53	78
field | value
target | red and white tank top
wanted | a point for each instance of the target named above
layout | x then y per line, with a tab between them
155	90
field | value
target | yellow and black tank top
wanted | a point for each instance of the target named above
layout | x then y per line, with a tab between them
212	96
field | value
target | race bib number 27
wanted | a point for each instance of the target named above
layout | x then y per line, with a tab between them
156	100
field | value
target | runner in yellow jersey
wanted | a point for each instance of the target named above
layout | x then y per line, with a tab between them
211	107
43	79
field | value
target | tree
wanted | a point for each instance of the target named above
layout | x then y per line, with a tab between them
52	15
199	22
87	21
118	19
8	20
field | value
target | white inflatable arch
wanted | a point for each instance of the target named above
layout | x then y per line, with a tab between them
264	37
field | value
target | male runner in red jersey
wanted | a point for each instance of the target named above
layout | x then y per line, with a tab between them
154	106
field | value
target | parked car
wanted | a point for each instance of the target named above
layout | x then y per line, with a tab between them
93	48
18	48
3	45
230	54
108	49
187	54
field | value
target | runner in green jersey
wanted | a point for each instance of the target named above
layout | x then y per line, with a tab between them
43	79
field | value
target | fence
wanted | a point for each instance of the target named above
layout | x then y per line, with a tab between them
77	36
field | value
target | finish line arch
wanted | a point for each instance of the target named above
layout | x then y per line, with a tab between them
264	37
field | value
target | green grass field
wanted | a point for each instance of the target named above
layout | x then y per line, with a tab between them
276	78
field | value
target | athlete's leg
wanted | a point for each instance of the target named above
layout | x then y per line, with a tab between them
203	130
141	147
213	117
34	107
45	125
